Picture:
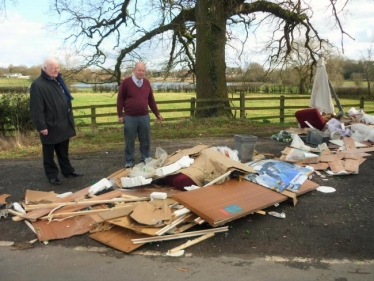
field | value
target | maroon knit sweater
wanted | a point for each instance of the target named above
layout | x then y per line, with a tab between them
134	101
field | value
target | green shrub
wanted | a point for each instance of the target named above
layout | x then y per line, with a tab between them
15	113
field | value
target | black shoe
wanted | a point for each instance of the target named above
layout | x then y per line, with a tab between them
55	181
73	175
128	166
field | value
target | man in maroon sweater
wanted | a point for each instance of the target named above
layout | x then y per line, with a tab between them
134	96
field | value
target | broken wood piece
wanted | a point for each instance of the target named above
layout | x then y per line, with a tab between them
291	195
179	236
83	202
3	198
180	212
82	213
180	229
190	243
17	215
172	225
30	226
199	220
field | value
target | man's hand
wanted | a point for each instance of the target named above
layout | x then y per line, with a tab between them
160	118
120	119
44	132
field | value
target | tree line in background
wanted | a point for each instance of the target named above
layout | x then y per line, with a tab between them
296	78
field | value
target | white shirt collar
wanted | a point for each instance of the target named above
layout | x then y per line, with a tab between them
136	80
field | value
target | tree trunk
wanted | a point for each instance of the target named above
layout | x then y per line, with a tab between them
302	86
210	59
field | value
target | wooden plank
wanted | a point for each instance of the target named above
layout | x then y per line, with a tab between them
180	235
105	196
191	243
360	150
336	166
351	165
110	213
320	166
328	158
349	143
83	203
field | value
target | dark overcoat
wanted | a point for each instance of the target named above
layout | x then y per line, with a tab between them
51	109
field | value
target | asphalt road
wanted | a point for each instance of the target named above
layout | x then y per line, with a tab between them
60	263
324	237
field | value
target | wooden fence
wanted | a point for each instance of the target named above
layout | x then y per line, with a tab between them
173	110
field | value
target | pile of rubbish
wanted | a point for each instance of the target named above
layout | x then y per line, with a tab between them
168	195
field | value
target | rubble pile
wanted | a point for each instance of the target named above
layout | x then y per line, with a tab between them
166	197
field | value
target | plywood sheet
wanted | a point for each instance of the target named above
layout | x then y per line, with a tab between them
218	204
307	186
63	229
119	238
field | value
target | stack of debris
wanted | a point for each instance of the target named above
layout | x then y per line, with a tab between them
220	189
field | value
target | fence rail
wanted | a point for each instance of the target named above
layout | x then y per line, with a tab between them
173	110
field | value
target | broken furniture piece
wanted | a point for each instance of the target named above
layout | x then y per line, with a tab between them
311	116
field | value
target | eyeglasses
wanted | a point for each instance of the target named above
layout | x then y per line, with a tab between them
54	68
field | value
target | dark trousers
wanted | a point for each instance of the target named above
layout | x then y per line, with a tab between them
62	153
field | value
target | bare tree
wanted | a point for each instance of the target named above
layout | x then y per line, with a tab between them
368	68
4	5
196	33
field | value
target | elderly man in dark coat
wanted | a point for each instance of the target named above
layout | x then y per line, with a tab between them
52	115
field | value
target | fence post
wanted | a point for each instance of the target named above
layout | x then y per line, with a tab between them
193	107
362	102
93	118
281	109
242	105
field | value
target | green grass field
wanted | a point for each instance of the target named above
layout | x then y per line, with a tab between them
103	138
85	99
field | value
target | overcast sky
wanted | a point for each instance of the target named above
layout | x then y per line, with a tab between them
25	40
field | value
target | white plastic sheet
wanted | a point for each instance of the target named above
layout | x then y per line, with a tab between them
321	95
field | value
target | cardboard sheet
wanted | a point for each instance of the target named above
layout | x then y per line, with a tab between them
210	162
119	238
35	196
152	213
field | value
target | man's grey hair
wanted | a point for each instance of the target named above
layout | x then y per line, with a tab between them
49	61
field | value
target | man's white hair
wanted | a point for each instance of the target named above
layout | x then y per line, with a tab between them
48	61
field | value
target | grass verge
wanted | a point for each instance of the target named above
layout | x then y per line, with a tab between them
112	138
